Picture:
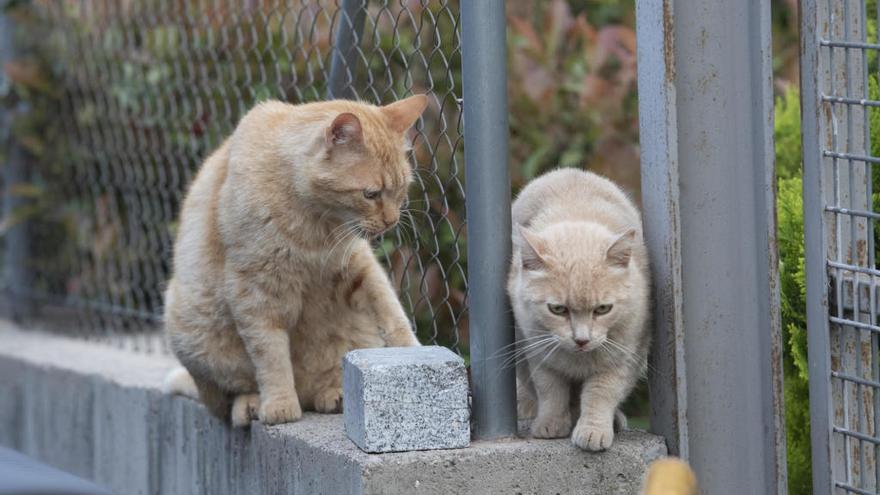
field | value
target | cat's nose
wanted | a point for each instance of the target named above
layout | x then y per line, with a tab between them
389	223
581	342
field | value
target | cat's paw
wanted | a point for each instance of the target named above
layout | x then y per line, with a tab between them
551	426
593	437
329	401
244	409
280	410
402	336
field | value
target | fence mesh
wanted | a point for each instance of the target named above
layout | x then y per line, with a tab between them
137	93
849	149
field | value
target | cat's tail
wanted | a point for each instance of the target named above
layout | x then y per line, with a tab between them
178	381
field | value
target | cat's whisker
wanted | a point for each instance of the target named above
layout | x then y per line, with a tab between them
340	237
523	345
412	225
342	227
531	351
518	354
541	363
518	348
337	235
402	229
622	348
345	232
349	252
519	341
629	354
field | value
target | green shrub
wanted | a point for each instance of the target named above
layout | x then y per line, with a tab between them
790	236
787	135
790	224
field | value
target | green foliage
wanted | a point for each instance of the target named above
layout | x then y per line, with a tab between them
790	237
572	89
787	135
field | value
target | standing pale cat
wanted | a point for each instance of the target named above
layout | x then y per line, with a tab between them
579	287
274	278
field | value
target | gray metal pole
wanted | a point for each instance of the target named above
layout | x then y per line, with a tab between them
660	192
343	61
16	277
484	77
706	108
818	337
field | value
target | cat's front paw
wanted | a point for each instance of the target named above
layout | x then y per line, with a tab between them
274	411
244	409
329	401
551	426
591	436
402	336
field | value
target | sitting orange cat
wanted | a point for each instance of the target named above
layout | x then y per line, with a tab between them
274	278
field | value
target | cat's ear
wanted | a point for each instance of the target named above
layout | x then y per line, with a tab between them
620	251
346	128
404	113
532	250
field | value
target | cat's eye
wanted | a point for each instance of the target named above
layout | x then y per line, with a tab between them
602	309
558	309
371	194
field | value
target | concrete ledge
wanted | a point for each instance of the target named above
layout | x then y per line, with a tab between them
98	413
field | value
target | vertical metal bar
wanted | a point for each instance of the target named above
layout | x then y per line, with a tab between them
16	270
484	78
659	164
349	30
717	56
816	247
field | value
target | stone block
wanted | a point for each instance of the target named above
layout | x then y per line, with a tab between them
406	398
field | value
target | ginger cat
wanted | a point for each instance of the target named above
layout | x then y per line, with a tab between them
579	287
274	278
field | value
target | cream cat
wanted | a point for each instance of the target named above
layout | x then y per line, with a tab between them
579	287
274	278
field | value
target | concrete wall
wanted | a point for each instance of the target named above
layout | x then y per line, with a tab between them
98	413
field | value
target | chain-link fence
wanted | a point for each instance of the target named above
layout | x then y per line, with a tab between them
130	96
841	108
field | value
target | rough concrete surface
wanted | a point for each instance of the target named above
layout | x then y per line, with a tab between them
406	398
98	412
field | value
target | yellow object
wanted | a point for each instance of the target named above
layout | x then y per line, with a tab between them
670	476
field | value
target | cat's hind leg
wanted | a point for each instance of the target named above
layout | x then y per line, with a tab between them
620	422
526	399
329	400
213	397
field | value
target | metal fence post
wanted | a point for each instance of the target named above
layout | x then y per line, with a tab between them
659	169
16	277
484	78
349	30
818	341
706	111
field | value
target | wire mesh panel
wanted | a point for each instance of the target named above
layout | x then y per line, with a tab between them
142	91
841	174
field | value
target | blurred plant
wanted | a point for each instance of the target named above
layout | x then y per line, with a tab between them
572	95
31	101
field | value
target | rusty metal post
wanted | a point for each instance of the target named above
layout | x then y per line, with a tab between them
706	117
